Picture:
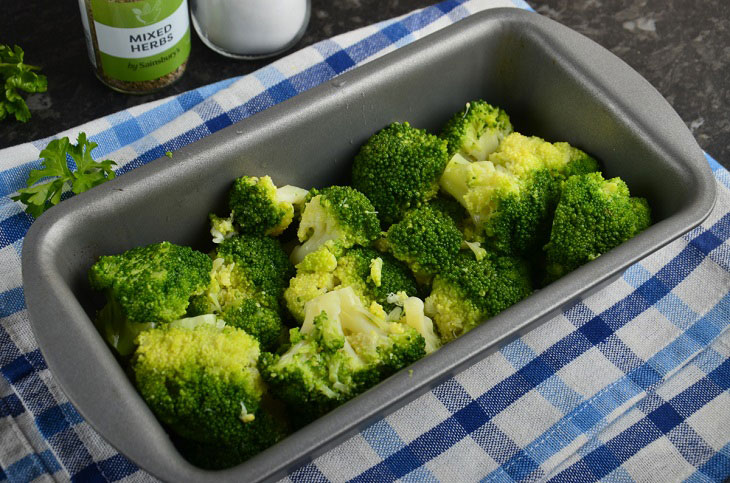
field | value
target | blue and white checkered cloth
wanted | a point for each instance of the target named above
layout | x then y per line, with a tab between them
630	384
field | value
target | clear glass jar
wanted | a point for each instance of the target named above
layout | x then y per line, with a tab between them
137	46
250	29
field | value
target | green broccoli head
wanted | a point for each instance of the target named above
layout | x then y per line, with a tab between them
578	162
381	343
520	155
247	279
260	266
511	197
310	379
451	208
476	131
469	291
259	208
201	380
372	275
643	212
306	286
398	169
261	322
521	225
221	228
425	239
342	349
146	286
511	213
327	332
152	283
479	187
264	431
117	330
336	217
593	216
410	311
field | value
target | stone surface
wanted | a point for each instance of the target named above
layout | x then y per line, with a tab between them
681	47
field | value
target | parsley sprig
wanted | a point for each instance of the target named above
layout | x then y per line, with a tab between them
15	76
89	173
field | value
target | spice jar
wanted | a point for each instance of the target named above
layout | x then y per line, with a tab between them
250	29
137	46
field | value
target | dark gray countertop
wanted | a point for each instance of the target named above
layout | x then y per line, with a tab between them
681	46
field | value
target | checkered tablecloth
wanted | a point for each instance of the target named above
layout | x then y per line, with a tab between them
631	384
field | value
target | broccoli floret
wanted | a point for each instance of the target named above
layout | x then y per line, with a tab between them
221	228
522	224
643	212
246	282
260	264
473	238
593	216
316	374
451	208
476	131
410	311
521	155
336	217
116	329
320	260
478	186
306	286
512	196
259	208
146	286
398	169
425	239
269	430
469	291
341	350
356	268
381	343
261	322
152	283
201	380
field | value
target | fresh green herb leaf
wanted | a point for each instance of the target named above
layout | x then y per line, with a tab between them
15	76
89	173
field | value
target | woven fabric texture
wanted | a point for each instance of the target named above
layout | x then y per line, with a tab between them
630	384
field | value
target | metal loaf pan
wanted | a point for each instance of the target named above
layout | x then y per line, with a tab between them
552	81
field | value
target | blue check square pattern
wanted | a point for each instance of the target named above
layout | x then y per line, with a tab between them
630	384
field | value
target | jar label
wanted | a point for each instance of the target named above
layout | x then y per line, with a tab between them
141	40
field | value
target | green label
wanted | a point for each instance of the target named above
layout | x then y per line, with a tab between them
133	14
147	68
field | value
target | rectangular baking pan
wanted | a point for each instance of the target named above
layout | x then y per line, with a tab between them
553	82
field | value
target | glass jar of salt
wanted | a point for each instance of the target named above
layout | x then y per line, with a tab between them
250	29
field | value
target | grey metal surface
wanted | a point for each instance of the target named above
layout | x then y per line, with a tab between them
553	83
